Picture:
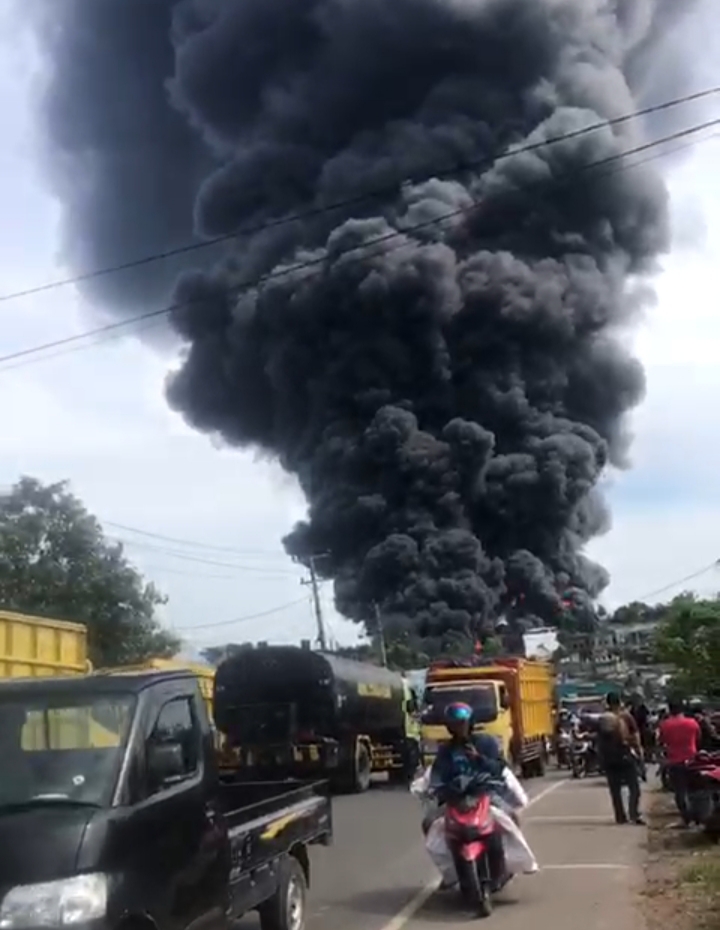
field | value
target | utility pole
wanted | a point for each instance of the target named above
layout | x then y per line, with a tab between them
380	635
313	582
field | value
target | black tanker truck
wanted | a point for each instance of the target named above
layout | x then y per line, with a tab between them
289	712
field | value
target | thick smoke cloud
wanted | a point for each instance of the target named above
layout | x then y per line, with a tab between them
441	366
123	162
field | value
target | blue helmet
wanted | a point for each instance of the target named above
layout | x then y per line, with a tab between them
458	712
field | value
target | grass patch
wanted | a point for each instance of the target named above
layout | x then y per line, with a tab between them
704	874
682	872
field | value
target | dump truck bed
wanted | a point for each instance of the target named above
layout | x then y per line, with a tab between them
37	647
530	686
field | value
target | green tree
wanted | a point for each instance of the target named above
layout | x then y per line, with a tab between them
55	562
688	639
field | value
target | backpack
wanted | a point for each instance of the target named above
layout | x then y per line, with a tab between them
613	739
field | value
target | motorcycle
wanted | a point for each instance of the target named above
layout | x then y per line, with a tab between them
476	847
562	752
583	758
703	787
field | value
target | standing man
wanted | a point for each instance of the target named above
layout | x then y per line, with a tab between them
709	739
680	736
620	751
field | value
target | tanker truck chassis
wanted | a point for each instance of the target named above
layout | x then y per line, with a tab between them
287	712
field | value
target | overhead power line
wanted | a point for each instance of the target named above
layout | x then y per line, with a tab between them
187	573
186	556
191	543
245	619
610	161
675	584
388	189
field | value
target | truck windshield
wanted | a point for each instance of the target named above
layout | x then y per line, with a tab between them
59	750
482	699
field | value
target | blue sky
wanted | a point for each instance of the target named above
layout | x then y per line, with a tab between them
98	417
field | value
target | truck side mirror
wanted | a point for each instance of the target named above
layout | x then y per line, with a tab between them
504	700
165	764
411	706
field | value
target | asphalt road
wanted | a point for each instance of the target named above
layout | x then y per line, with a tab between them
377	876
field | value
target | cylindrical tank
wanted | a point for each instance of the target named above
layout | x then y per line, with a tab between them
279	693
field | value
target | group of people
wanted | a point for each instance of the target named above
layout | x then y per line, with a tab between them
625	736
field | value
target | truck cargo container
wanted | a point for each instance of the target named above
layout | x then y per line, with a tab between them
37	647
205	674
512	699
288	711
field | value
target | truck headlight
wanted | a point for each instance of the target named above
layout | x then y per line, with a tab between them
62	903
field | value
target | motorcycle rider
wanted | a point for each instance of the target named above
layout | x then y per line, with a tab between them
467	755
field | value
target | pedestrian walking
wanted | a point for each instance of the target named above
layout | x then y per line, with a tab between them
620	752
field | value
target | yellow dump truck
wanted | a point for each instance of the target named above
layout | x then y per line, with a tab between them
512	700
34	647
205	674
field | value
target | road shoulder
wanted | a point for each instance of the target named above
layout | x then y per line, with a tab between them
682	873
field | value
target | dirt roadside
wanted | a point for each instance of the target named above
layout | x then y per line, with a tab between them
682	872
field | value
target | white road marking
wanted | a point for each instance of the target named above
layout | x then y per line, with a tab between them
412	907
416	902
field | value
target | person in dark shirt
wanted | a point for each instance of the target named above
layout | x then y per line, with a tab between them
709	739
641	716
465	757
466	753
620	750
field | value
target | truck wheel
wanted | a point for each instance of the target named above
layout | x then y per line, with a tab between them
361	774
286	909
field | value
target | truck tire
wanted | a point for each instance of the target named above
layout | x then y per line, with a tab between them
410	765
362	770
286	909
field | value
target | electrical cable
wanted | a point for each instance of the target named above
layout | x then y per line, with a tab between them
458	168
674	584
401	234
193	558
245	619
189	542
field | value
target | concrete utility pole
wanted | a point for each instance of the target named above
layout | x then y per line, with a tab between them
317	605
380	635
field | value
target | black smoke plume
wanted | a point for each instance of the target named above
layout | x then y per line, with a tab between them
442	364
